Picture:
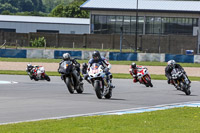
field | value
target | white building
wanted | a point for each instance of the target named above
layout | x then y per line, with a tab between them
26	24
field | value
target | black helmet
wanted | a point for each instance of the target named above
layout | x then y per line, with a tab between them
133	65
84	65
96	55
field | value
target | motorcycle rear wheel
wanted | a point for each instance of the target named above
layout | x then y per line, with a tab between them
69	85
80	89
98	90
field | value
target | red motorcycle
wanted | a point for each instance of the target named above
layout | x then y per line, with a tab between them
144	77
37	73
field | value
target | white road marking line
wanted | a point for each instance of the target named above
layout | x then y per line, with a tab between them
8	82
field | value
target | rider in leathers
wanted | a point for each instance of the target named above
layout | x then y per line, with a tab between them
96	58
171	65
134	70
66	57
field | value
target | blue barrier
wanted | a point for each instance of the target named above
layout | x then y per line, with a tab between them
13	53
180	58
123	56
74	54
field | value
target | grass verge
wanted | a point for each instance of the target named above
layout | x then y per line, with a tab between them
112	62
115	75
176	120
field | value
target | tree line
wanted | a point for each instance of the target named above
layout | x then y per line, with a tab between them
54	8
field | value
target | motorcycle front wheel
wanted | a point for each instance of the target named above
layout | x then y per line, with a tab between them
69	85
109	95
98	90
80	89
47	77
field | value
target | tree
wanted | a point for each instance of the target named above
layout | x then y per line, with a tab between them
8	7
71	10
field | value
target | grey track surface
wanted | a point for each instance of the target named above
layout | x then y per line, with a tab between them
29	100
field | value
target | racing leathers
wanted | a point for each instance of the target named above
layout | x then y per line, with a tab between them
168	74
77	67
107	66
133	72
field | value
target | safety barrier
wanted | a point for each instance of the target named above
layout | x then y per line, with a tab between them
86	55
151	57
123	56
33	53
74	54
180	58
13	53
196	58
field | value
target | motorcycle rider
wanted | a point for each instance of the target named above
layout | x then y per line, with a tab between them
32	70
134	70
96	58
67	57
171	65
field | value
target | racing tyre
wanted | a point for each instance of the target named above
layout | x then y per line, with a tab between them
47	77
109	95
80	89
98	90
69	85
187	91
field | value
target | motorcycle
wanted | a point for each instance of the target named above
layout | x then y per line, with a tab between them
99	81
181	80
144	77
37	73
71	77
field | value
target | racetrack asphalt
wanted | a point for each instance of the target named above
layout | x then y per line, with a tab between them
31	100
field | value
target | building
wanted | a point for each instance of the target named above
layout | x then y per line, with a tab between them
153	16
26	24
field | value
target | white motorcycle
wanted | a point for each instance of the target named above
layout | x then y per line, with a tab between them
98	79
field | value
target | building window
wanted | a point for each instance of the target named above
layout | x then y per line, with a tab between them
48	31
7	30
111	24
165	25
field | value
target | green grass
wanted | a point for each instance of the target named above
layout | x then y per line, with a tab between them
112	62
177	120
115	75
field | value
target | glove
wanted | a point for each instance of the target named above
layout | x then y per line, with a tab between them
106	70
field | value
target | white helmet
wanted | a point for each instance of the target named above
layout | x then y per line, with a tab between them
171	62
66	56
29	64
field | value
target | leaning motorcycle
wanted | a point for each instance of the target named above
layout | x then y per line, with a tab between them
71	77
144	77
99	81
37	73
180	78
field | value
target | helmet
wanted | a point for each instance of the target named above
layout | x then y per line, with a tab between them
66	56
96	55
133	65
29	64
171	63
84	65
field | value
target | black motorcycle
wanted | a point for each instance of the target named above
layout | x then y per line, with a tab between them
71	77
181	80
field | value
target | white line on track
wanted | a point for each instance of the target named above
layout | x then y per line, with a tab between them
8	82
120	112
